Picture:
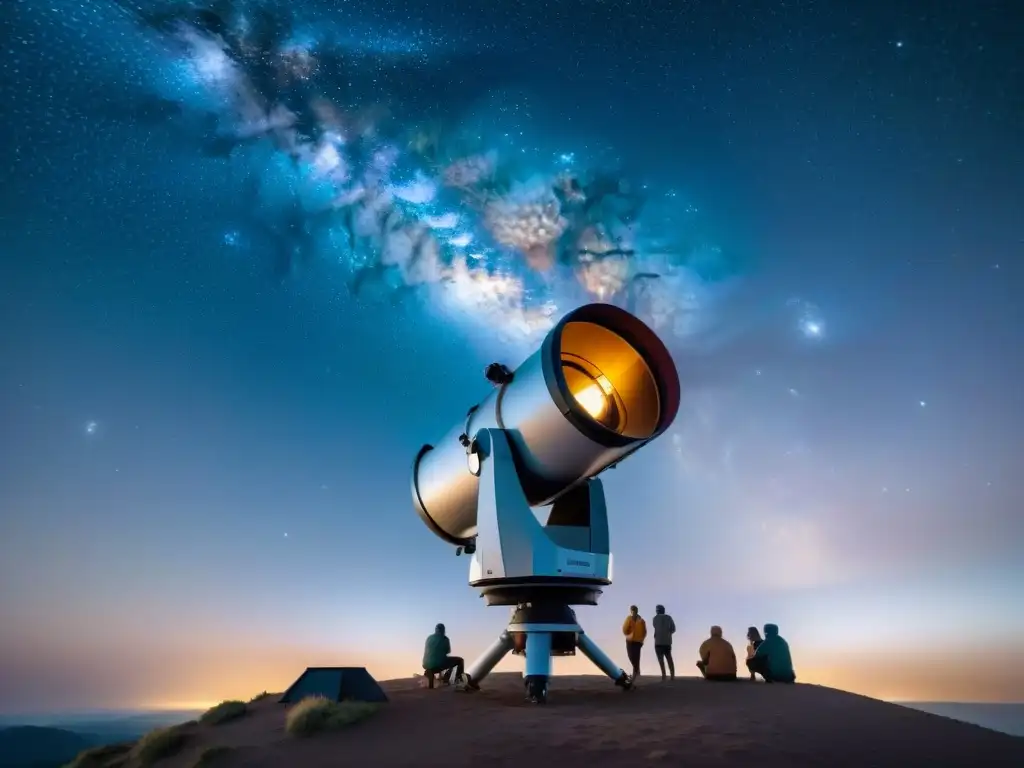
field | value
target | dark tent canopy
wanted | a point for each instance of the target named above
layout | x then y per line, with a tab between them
337	684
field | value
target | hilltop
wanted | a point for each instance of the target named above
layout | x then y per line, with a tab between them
590	724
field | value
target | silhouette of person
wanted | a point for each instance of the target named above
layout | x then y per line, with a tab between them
635	630
437	656
717	657
753	641
664	628
772	659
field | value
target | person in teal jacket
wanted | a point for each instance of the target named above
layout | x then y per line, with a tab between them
772	660
437	656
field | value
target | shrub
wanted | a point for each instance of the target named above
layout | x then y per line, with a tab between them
316	714
100	757
223	713
258	697
212	756
158	744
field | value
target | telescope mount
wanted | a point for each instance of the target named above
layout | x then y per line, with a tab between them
540	570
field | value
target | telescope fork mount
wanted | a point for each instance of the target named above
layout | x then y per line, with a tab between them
540	569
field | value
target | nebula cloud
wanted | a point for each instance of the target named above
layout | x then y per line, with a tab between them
409	205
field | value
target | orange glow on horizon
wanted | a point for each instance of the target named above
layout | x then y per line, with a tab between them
196	677
178	706
900	680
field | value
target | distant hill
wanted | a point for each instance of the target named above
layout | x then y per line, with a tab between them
1008	718
54	740
32	746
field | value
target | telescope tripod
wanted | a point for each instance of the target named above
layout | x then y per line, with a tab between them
539	632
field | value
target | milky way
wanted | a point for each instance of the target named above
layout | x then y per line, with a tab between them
394	166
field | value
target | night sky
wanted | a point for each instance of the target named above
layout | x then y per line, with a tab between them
204	459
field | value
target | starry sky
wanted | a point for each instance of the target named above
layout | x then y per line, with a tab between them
204	464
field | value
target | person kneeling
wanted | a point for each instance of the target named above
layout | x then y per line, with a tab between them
772	659
437	656
717	657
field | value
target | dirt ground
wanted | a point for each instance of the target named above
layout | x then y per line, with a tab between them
588	723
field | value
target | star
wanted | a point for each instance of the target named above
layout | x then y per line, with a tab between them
922	403
899	43
812	329
809	320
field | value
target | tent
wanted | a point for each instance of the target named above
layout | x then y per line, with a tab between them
337	684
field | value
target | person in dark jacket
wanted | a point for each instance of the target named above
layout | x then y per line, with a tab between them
664	628
753	641
437	656
772	659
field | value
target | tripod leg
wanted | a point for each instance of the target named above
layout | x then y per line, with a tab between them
488	660
601	660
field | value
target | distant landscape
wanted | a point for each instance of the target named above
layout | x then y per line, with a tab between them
1008	718
50	741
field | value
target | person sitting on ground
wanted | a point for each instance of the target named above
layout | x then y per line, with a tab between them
772	659
437	656
717	658
664	628
635	630
754	640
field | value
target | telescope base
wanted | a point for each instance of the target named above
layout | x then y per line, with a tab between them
539	633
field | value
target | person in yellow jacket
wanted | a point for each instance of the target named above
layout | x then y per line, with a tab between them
717	657
635	630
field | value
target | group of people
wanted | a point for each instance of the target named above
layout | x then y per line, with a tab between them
767	656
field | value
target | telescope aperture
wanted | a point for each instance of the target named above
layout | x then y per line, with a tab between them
600	387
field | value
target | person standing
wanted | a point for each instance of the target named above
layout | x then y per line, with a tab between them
635	630
664	628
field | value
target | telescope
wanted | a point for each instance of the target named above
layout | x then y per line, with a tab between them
514	484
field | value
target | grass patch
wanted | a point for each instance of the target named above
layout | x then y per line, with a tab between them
224	712
158	744
212	756
101	757
258	697
316	714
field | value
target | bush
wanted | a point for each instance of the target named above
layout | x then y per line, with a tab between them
224	712
100	757
316	714
212	756
258	697
158	744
